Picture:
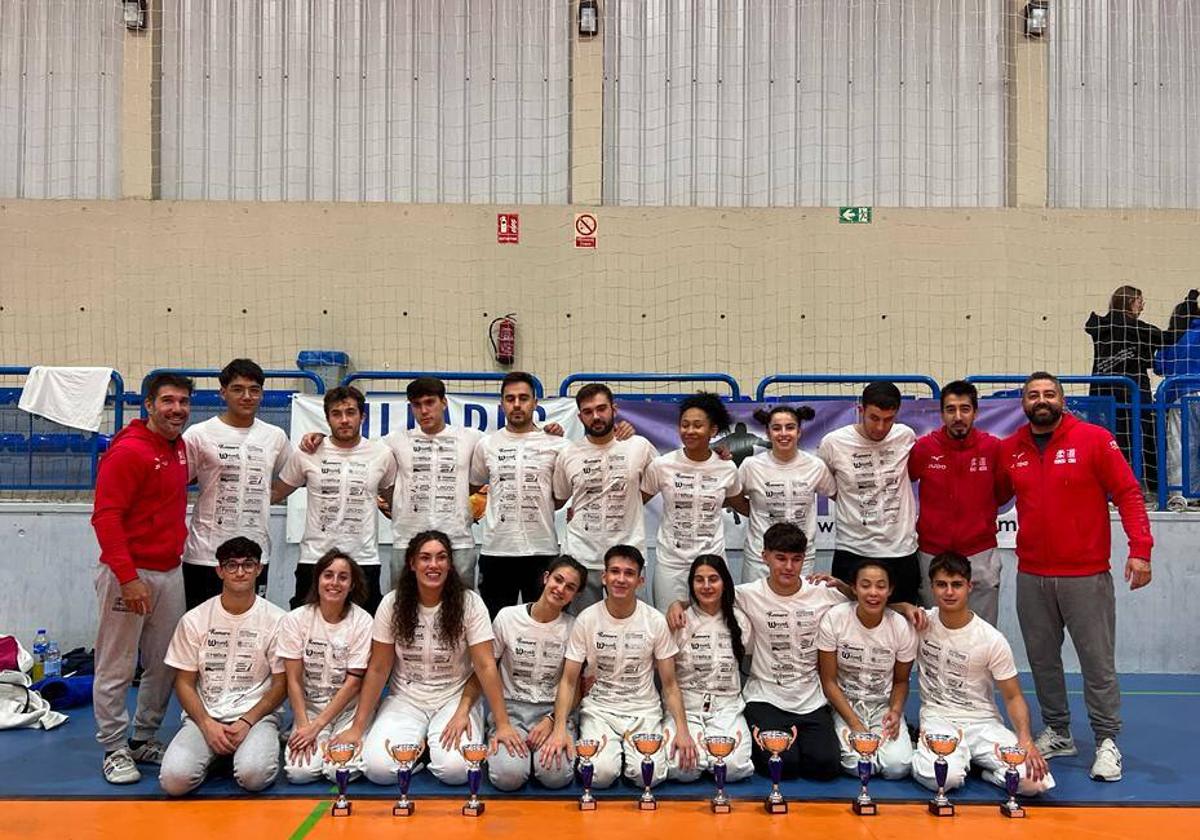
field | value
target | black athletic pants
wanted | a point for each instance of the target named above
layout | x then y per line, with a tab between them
815	754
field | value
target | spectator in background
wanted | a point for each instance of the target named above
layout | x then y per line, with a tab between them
1180	357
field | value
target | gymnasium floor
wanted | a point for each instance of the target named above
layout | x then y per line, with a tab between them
53	789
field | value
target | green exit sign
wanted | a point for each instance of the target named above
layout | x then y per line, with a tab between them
854	215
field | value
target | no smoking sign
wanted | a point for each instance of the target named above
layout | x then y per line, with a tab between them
585	230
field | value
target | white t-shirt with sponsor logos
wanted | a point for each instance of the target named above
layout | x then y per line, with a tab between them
326	651
234	655
783	666
866	656
875	506
431	672
693	494
432	484
783	491
705	664
343	485
530	653
519	472
621	654
234	467
603	484
959	669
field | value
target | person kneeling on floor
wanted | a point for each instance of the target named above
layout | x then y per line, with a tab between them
229	680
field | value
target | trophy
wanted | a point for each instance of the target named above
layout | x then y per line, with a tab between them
865	744
475	755
341	754
775	741
647	743
719	747
941	745
405	755
586	749
1013	757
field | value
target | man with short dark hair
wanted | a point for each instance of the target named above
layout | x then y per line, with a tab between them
956	468
1063	471
875	507
139	519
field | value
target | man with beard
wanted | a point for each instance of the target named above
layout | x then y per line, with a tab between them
1062	471
601	476
956	466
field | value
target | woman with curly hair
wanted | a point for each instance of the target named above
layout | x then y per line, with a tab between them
430	632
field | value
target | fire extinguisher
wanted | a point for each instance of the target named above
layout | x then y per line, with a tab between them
503	334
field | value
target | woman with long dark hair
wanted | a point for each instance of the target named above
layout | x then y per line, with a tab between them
429	634
712	644
695	484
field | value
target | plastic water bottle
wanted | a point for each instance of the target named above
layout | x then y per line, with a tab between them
53	664
40	643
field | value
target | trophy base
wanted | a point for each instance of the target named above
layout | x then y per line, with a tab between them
472	810
941	810
647	804
340	810
402	810
775	807
587	805
721	807
1014	813
865	809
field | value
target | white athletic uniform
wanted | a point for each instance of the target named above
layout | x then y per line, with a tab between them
519	469
327	652
621	654
234	468
234	657
867	658
343	484
424	689
711	684
959	670
782	491
530	654
693	494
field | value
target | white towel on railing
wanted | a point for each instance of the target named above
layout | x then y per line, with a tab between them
72	396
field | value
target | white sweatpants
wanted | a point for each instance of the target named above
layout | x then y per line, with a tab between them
597	724
893	759
726	719
399	720
670	585
188	757
509	772
301	771
978	746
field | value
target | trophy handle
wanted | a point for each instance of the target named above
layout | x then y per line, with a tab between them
358	748
795	735
996	750
960	736
737	743
754	733
846	735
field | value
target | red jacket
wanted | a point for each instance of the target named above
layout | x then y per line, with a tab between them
141	502
957	491
1062	499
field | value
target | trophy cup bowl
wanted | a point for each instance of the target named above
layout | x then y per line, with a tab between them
586	749
405	755
341	754
475	754
941	745
647	743
720	747
1013	757
775	741
866	744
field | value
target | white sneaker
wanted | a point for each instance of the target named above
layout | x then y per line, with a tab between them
119	768
1052	745
1107	765
1177	504
151	752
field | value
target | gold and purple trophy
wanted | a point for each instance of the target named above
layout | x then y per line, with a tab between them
647	743
586	749
941	745
866	744
475	754
1013	757
341	754
720	747
405	755
775	741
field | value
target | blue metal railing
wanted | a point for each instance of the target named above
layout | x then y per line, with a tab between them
735	390
1169	395
760	391
446	376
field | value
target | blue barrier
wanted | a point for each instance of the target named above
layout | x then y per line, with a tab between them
1169	395
735	390
446	376
760	391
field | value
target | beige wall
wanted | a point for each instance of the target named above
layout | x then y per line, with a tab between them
139	284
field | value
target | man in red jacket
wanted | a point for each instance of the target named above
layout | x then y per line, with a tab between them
141	502
956	466
1063	472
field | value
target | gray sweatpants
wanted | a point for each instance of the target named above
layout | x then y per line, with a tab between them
509	772
1086	608
985	583
592	592
188	757
119	637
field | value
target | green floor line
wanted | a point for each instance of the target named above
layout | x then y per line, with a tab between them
312	819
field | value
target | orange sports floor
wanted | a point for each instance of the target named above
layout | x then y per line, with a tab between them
439	819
